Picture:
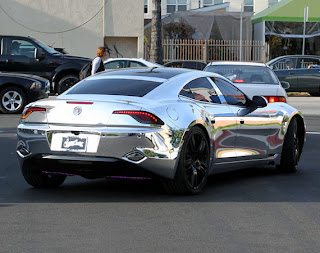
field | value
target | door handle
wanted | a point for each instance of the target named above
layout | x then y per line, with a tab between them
241	121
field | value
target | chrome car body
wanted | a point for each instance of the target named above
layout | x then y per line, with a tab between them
53	134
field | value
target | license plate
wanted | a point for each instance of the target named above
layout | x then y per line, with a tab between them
75	143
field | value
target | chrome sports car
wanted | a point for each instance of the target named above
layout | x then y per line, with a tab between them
178	125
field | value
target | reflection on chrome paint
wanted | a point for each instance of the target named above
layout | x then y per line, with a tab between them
232	135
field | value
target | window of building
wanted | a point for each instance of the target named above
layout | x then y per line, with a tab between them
218	1
248	6
176	5
272	2
145	6
171	6
182	5
207	3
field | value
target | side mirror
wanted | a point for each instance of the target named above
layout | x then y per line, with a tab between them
285	85
39	54
259	101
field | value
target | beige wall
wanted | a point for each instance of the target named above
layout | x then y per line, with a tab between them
52	17
49	18
125	23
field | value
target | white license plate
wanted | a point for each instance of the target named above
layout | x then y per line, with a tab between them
75	143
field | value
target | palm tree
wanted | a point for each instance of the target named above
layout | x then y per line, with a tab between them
156	38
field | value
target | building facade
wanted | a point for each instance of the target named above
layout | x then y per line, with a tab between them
78	26
170	6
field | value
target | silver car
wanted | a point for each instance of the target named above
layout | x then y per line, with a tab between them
252	78
120	63
176	125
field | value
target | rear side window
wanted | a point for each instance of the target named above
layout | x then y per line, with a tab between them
135	64
200	89
232	95
115	65
122	87
190	65
286	63
306	62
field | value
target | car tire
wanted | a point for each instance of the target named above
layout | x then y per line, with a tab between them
37	179
192	171
67	82
291	149
12	100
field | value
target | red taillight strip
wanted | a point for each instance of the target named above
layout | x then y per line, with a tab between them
273	99
80	103
238	81
30	110
137	113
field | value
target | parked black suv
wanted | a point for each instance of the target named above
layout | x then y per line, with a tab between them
28	55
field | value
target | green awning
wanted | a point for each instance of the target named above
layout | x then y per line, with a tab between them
289	11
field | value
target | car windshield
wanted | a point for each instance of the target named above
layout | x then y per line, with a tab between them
50	50
245	74
114	86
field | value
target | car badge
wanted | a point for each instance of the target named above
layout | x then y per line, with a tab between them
77	110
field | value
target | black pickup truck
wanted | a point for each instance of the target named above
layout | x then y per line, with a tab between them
30	56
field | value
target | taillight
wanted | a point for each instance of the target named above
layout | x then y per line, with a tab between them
273	99
238	81
26	112
142	117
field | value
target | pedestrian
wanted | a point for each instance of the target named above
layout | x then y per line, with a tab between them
97	63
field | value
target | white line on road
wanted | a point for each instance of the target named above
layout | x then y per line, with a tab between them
313	133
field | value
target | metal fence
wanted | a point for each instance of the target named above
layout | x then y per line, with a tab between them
213	50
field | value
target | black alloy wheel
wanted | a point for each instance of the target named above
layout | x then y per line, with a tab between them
67	82
291	150
192	171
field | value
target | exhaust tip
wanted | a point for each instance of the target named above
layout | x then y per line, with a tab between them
22	149
135	157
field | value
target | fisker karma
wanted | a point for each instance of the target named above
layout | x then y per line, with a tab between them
174	125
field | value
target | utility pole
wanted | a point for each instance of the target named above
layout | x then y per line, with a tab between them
156	38
241	32
306	14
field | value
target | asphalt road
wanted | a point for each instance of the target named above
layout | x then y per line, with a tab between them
252	210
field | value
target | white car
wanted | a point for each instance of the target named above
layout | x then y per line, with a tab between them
254	79
119	63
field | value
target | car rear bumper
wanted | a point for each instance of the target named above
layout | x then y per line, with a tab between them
150	149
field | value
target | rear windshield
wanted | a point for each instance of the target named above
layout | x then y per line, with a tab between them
123	87
245	74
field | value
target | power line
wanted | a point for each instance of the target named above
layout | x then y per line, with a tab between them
69	30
